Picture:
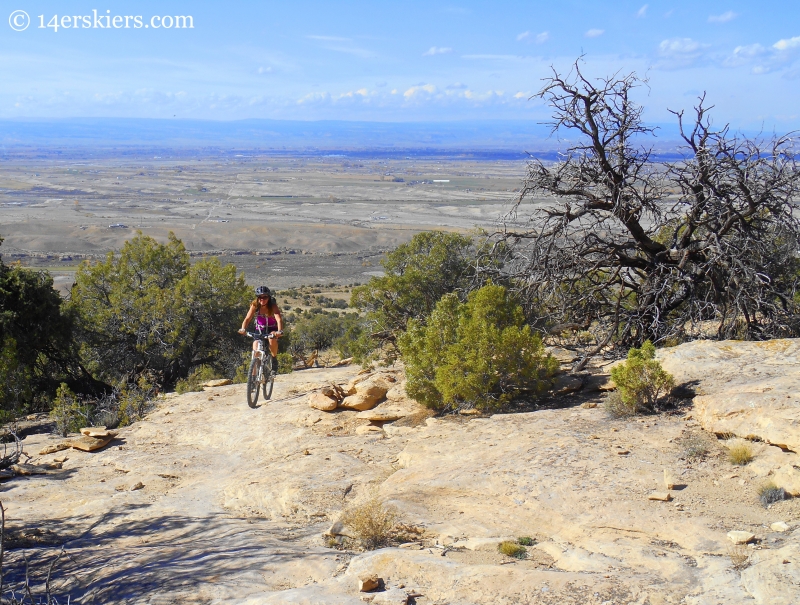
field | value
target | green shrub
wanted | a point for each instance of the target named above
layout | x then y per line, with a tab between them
68	412
285	363
641	382
512	549
134	401
194	382
526	541
477	354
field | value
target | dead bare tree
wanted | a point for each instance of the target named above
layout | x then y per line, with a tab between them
632	249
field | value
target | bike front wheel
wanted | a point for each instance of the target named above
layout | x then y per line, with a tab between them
253	382
269	380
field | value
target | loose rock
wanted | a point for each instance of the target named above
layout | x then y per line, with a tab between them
99	432
393	596
779	526
368	429
320	401
137	486
221	382
741	537
52	449
89	444
669	480
660	496
368	582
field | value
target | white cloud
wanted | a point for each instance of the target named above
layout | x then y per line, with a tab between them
492	57
417	90
329	38
265	70
437	50
594	33
522	95
542	38
456	86
642	12
787	44
723	18
751	50
680	52
523	35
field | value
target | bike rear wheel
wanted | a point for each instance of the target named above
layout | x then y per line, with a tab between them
254	376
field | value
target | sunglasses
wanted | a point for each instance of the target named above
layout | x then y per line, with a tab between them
263	298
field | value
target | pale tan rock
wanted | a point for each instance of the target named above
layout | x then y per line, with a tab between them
470	412
99	432
562	355
741	537
779	526
89	444
669	480
588	405
397	392
788	477
137	486
773	576
393	596
389	411
28	469
220	382
660	496
52	449
368	582
747	389
368	429
368	394
320	401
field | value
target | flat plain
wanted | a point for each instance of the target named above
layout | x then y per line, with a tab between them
286	220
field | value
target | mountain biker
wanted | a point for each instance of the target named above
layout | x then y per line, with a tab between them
268	320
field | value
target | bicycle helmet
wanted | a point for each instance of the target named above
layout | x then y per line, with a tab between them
263	291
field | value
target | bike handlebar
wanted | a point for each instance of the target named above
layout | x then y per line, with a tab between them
259	335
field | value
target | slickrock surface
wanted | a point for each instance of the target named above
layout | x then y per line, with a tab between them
234	503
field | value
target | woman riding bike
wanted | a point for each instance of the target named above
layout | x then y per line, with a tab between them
268	320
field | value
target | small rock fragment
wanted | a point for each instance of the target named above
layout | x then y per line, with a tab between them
368	429
660	496
470	412
368	582
741	537
588	405
99	432
221	382
89	444
52	449
623	452
779	526
28	469
137	486
669	480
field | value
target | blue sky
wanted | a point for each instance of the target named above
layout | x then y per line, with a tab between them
396	61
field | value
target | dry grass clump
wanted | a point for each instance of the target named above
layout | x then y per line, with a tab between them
372	522
740	556
695	446
769	493
740	453
526	541
512	549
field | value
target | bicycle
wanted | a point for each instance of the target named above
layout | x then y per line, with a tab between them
260	373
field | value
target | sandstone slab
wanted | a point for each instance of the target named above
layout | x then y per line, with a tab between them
779	526
748	389
89	444
52	449
788	477
99	432
368	582
220	382
566	383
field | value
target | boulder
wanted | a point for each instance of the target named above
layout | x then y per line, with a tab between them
788	477
779	526
397	392
367	393
320	401
220	382
89	444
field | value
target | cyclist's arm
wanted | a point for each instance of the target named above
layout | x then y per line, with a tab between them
248	319
279	319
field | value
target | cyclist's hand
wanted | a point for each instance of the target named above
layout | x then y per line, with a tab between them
279	333
242	330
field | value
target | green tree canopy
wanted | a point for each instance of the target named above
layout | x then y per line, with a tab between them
35	338
148	312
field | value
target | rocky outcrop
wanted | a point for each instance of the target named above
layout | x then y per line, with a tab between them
747	389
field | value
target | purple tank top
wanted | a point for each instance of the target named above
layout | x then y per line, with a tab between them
263	322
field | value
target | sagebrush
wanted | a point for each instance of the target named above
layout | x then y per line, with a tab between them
641	383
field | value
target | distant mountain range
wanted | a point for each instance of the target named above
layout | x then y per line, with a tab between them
481	138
